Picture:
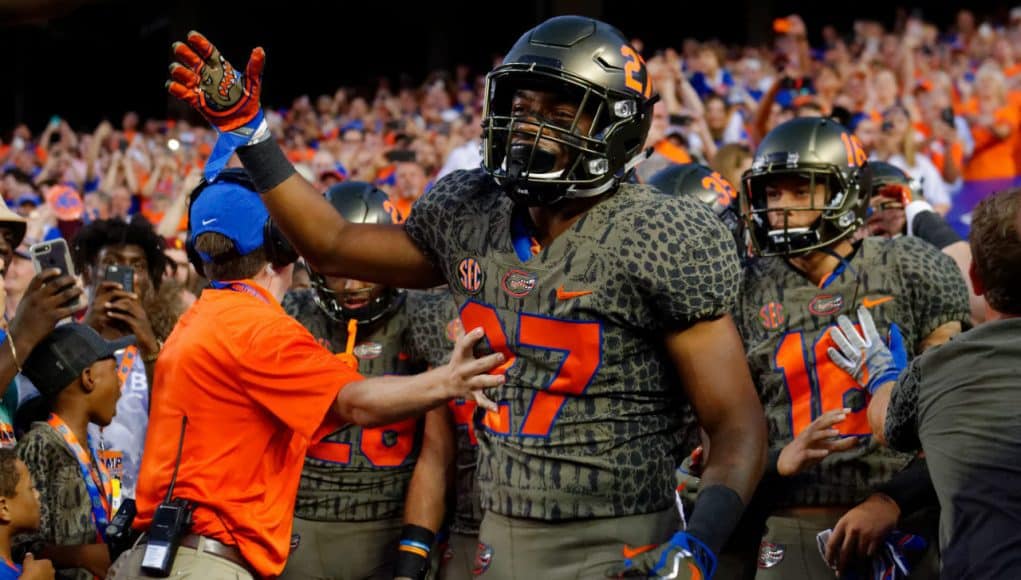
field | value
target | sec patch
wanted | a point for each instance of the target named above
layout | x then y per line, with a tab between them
772	316
470	275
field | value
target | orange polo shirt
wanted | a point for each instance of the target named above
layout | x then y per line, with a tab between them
257	390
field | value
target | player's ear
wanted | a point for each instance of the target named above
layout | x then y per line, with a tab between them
976	280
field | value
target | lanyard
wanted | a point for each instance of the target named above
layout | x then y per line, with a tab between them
237	287
96	476
127	363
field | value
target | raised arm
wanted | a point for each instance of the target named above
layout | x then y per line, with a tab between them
383	254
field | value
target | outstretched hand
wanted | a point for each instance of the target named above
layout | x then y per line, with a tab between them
204	79
229	100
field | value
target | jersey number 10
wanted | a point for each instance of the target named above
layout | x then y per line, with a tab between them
816	389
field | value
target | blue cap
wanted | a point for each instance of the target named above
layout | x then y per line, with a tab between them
29	198
231	210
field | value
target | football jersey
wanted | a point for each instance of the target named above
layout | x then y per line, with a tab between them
359	473
436	335
785	319
592	418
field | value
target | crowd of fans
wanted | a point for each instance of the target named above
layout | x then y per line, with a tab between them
943	103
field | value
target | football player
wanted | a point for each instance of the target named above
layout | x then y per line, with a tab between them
353	485
893	211
803	199
710	188
609	301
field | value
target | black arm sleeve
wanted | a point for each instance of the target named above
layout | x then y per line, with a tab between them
911	488
931	227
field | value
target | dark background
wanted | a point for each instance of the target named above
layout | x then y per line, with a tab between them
89	59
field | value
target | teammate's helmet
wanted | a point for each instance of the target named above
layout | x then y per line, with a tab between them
891	182
822	151
360	203
591	63
707	185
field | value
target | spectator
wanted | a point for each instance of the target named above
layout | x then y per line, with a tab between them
114	312
408	186
897	146
731	161
19	513
17	276
76	374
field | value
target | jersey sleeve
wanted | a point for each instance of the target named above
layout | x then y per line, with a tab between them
901	429
431	216
938	291
291	376
681	259
434	325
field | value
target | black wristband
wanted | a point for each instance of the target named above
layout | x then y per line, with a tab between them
716	513
413	552
931	227
266	164
911	488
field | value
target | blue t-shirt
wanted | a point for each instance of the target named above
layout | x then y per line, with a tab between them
9	571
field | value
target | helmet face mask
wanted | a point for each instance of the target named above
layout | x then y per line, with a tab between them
803	156
542	155
361	203
379	301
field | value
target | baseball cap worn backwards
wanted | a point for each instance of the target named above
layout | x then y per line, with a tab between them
233	211
61	357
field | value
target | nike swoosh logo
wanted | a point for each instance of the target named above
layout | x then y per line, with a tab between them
209	221
870	302
630	552
565	295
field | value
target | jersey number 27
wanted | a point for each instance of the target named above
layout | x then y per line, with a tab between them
579	341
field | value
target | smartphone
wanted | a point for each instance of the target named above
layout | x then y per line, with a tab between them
54	254
123	275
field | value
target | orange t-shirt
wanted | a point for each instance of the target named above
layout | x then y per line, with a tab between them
993	158
257	390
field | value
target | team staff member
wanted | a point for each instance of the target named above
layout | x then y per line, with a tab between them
958	403
257	390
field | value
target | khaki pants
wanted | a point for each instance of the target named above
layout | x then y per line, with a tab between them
522	549
343	550
189	563
789	547
458	558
